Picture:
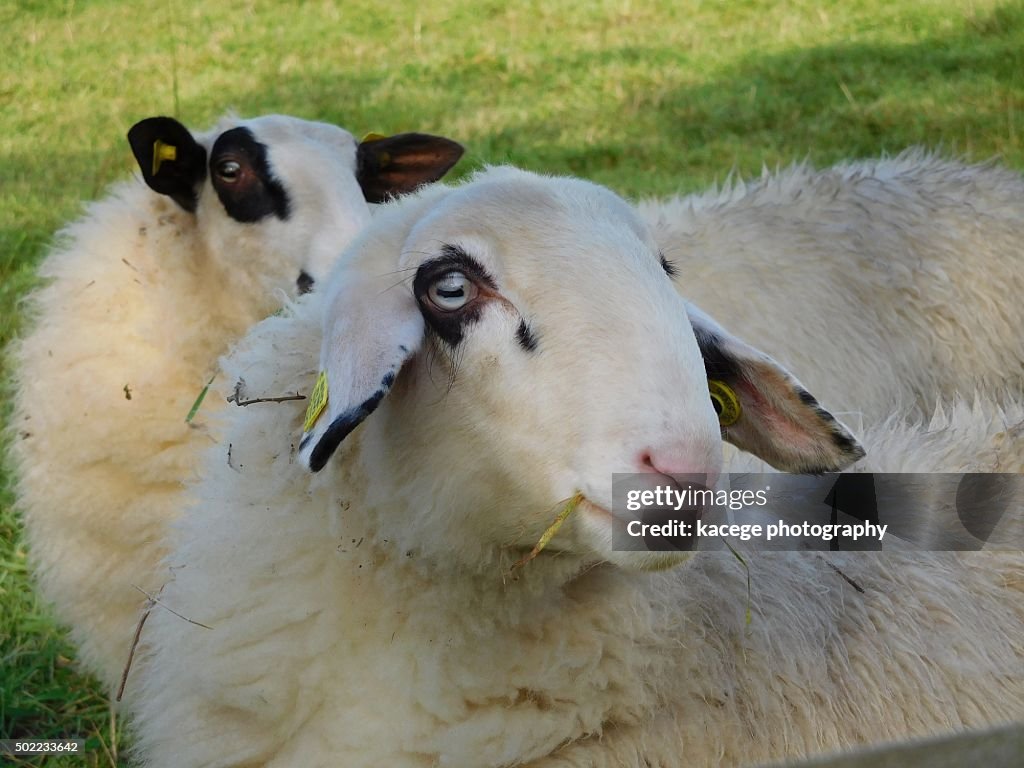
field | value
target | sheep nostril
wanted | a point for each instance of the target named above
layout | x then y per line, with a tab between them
682	466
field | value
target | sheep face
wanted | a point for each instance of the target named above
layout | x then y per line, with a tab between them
290	193
532	344
277	198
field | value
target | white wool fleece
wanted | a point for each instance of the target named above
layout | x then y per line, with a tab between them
885	284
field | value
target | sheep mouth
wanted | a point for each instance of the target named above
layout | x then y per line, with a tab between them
593	510
689	514
654	529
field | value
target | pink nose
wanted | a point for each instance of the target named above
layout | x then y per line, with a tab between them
683	462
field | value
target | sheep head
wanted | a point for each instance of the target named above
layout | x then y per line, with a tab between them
518	340
277	197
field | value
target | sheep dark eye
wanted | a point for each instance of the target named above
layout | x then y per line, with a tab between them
451	291
229	171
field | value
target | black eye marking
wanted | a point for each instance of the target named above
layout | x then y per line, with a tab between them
304	282
668	266
449	326
250	192
527	338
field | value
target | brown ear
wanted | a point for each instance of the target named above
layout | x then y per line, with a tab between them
776	418
393	165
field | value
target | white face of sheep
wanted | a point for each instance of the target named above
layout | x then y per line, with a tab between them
277	198
519	341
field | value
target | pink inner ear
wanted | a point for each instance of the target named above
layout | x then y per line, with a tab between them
780	421
785	431
783	417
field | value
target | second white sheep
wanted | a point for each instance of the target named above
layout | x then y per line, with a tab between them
141	297
886	284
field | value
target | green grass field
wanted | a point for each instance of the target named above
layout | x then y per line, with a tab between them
646	97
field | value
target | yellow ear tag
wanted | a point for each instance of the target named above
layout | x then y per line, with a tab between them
725	401
372	137
317	402
162	152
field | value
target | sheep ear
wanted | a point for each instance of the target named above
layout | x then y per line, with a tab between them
171	161
389	166
371	328
764	410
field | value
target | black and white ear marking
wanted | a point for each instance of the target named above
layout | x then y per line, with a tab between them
394	165
171	161
779	420
372	327
343	424
841	436
245	183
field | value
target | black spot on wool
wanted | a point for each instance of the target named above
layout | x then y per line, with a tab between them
304	283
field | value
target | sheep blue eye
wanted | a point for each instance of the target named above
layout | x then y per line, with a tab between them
452	291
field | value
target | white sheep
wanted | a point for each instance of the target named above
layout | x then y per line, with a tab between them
885	284
142	295
487	353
